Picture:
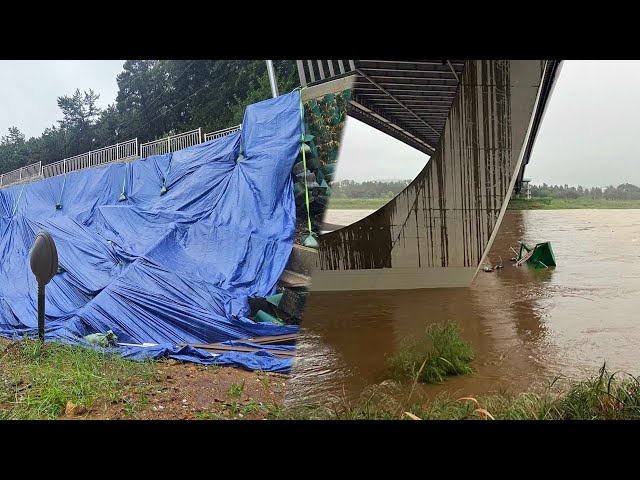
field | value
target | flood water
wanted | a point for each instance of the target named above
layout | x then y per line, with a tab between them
525	326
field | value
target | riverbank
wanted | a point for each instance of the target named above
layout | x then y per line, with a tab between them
356	203
57	381
514	204
604	396
566	204
441	354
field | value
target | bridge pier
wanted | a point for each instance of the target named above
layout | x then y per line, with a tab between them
437	232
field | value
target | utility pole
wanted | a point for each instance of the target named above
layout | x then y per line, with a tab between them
272	78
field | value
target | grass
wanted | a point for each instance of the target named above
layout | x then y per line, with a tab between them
37	381
514	204
560	204
605	396
430	358
357	203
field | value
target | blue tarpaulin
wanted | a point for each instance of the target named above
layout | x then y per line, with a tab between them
170	269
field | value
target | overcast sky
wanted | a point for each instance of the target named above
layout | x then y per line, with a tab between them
590	134
29	89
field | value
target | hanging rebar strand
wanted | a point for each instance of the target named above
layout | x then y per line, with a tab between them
64	182
123	195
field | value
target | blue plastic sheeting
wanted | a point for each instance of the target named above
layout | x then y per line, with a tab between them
168	269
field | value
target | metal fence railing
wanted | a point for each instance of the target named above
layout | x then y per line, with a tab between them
221	133
23	173
94	158
113	153
311	71
171	144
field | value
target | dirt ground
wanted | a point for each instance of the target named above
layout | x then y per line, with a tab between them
46	385
188	391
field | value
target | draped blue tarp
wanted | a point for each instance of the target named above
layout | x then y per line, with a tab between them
168	269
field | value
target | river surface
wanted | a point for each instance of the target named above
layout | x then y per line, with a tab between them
525	326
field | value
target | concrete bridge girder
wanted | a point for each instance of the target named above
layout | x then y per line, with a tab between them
437	232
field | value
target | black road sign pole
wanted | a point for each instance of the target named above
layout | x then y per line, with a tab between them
44	265
41	288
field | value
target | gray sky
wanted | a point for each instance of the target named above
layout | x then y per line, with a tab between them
29	89
590	134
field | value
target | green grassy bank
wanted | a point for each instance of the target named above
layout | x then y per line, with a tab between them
514	204
563	204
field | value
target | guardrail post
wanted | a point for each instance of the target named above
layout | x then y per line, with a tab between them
21	173
199	134
64	166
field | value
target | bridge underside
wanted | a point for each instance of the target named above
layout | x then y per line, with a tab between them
478	122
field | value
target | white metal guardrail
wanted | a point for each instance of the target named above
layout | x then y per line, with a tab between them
113	153
23	173
171	144
221	133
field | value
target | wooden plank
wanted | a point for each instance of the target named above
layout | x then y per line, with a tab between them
272	339
229	348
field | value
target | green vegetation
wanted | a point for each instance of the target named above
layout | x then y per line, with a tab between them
37	381
561	204
356	203
605	396
624	191
56	380
348	194
436	354
155	98
378	189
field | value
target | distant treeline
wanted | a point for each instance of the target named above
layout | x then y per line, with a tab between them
155	98
369	189
625	191
390	188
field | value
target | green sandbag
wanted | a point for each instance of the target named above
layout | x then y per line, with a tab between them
308	137
311	242
102	339
274	299
263	316
313	163
346	95
298	188
328	169
329	97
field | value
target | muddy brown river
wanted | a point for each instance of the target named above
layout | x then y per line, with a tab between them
525	326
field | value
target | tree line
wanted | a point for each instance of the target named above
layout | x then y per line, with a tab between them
156	98
624	191
390	188
368	189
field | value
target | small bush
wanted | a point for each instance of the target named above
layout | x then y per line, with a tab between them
436	354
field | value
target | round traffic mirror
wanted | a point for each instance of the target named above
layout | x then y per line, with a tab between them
44	257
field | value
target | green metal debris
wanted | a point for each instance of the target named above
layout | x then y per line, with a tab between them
540	256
